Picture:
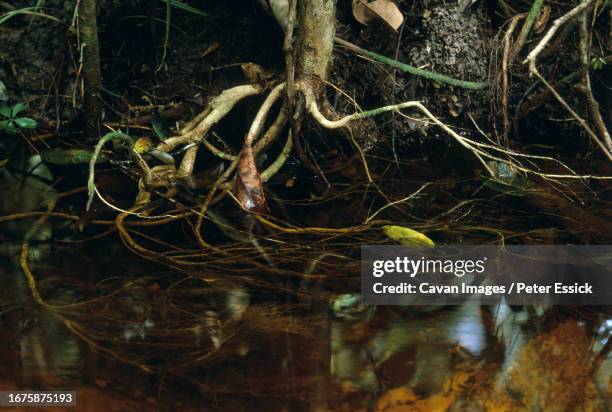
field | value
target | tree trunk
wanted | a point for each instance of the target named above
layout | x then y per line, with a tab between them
88	31
315	42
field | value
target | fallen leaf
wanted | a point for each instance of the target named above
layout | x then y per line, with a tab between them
143	144
385	11
388	11
362	13
407	237
249	188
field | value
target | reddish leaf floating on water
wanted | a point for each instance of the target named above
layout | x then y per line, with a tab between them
249	188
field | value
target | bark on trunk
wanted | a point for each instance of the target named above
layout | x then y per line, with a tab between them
315	41
88	30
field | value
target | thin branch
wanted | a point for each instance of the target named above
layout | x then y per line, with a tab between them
585	46
532	60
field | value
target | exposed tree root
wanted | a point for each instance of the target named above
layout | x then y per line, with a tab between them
304	96
196	130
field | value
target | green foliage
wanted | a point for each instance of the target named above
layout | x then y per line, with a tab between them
3	92
37	7
32	11
159	127
597	63
10	123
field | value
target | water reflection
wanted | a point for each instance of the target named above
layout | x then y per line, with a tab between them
230	348
158	338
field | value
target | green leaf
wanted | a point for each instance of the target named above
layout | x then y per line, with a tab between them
3	92
26	122
18	108
5	111
159	127
25	10
407	237
69	156
598	63
8	126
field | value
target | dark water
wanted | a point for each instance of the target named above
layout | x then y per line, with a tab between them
131	334
230	349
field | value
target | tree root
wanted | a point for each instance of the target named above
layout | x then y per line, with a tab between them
195	131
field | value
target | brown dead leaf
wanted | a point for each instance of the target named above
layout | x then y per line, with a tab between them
249	188
388	11
362	13
378	11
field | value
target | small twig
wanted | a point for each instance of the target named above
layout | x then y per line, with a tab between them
579	119
532	60
373	215
585	46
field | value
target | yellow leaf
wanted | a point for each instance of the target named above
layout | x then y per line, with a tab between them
143	144
3	162
407	237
